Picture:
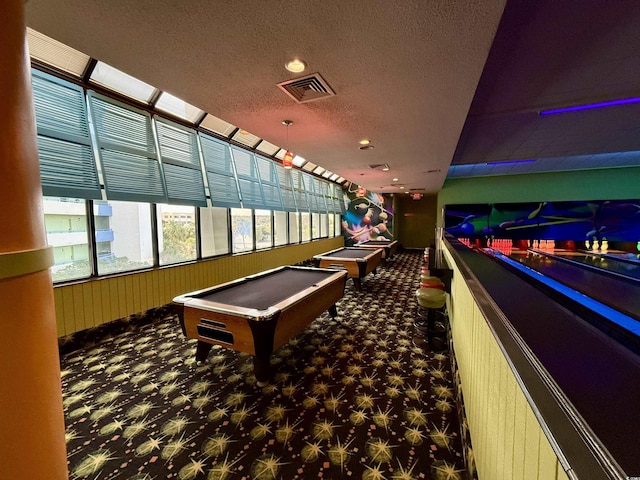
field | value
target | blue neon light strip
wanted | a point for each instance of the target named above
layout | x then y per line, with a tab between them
611	103
628	323
507	162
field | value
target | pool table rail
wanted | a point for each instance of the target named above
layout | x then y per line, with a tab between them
356	267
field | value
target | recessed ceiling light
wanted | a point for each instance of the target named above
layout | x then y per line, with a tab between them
385	167
401	187
395	179
296	65
364	141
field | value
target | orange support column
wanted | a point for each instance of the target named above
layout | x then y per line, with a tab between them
32	444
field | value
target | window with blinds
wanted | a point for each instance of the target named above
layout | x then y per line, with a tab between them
309	186
248	179
67	165
321	198
127	151
141	158
221	178
181	164
299	191
286	188
270	183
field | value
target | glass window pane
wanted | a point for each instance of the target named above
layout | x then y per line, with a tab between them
176	233
175	106
50	51
268	148
214	231
305	221
280	228
324	225
66	225
309	167
216	125
241	230
338	225
299	161
294	227
118	81
123	236
315	225
246	138
264	238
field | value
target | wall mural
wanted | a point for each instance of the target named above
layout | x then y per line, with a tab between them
614	221
368	215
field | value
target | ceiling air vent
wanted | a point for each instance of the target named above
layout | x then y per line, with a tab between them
307	89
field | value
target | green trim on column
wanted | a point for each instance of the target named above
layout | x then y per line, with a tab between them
16	264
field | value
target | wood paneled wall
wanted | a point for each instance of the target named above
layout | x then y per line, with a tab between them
507	439
95	302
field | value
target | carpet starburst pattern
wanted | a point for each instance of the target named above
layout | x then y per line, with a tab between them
351	397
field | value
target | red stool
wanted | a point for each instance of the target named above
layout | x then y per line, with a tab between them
429	281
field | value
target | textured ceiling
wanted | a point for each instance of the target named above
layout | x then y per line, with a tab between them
405	74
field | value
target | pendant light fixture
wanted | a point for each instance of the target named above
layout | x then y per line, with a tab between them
287	161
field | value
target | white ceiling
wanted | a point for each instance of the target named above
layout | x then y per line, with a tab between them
404	72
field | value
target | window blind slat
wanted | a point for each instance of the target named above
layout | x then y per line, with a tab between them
224	191
181	164
286	189
321	201
299	191
248	179
309	187
130	163
184	186
133	178
67	169
338	204
67	165
119	126
270	183
251	192
220	175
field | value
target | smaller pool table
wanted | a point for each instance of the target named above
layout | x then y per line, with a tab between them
358	262
260	313
388	247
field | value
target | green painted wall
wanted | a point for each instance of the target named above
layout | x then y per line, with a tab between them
597	184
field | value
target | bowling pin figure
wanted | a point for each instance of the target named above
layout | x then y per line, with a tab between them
605	245
587	245
596	244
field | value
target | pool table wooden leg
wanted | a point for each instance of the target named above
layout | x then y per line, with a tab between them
202	351
333	311
262	369
356	282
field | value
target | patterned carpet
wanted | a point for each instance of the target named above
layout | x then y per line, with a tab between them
352	398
